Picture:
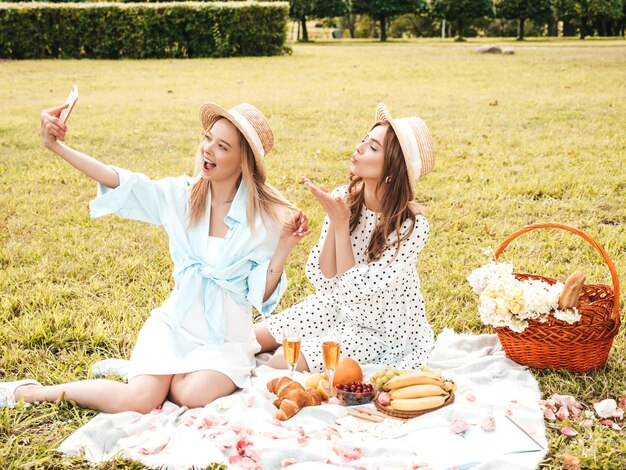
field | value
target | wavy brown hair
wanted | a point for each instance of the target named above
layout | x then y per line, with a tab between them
262	198
397	198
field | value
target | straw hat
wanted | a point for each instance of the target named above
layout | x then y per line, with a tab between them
250	122
415	141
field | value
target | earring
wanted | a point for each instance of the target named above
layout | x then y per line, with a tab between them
388	179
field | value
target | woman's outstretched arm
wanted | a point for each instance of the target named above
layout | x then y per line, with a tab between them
53	130
290	236
339	215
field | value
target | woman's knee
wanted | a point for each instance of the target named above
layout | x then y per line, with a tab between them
140	402
196	399
277	361
144	393
198	389
264	337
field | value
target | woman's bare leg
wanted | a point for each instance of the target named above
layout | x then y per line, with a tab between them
142	393
268	343
196	389
277	361
264	337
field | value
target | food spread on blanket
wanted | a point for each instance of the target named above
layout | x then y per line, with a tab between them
292	396
417	390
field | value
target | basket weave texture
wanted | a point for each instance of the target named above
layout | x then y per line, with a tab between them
580	347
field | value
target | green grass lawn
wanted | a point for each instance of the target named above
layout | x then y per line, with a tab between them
530	137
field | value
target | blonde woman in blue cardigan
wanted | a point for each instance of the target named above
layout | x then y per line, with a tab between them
229	236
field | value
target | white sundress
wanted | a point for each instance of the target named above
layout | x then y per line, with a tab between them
162	349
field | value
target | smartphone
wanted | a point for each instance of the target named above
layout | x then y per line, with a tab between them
70	101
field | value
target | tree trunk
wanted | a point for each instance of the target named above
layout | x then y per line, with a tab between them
459	27
305	34
553	28
568	29
383	28
583	27
350	20
520	29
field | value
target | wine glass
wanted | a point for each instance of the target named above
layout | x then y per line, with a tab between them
291	348
331	348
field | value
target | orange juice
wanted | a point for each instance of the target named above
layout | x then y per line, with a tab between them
291	347
330	350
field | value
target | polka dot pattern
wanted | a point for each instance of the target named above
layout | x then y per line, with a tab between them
378	307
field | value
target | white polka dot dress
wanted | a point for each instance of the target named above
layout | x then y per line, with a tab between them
377	307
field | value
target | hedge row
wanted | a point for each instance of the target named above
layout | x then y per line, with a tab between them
138	31
126	1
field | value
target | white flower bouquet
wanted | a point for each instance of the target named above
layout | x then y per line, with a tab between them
507	301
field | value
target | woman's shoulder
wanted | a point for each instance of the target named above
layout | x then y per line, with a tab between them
418	222
176	183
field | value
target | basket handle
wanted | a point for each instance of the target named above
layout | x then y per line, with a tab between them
592	242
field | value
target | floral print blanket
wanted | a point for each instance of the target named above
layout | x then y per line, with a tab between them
240	432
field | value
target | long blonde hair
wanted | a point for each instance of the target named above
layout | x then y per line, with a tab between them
262	198
398	203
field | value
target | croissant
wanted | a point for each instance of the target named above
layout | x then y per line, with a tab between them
571	290
292	397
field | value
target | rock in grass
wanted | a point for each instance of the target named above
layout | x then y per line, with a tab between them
489	50
508	50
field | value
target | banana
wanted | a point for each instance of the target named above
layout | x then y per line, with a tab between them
449	386
431	371
412	378
417	391
418	404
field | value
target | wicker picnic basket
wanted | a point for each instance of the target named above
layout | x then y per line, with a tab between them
580	347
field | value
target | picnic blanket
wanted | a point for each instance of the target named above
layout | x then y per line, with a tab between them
240	431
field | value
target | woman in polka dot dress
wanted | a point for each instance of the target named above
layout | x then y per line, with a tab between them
364	265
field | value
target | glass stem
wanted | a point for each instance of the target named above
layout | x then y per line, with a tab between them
331	376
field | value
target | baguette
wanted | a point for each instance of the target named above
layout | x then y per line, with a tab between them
571	291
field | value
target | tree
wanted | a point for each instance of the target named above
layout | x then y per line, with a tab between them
459	10
522	10
603	11
329	8
381	10
300	9
583	12
564	11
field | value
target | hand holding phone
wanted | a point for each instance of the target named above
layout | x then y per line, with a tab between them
70	101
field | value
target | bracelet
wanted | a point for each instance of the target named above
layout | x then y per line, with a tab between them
270	271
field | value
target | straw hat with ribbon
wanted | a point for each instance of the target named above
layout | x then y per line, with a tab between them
250	122
415	141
